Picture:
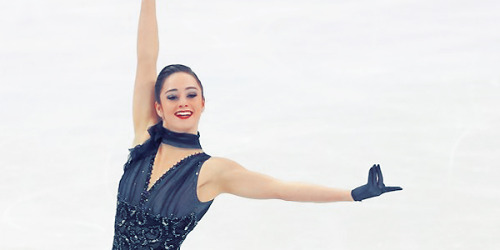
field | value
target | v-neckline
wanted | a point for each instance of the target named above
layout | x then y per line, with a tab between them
147	188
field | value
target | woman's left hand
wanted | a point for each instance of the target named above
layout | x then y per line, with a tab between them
374	187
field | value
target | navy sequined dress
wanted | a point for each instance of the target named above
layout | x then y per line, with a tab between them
161	217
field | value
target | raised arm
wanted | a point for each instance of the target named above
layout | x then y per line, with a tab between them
144	114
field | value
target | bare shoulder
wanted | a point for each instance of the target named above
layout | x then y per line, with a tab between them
220	163
212	175
215	167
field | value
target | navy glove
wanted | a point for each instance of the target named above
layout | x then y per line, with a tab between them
374	187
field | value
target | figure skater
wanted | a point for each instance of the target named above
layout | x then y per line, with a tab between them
169	182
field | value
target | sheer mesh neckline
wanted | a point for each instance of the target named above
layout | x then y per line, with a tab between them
148	189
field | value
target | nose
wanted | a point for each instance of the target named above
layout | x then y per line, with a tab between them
183	102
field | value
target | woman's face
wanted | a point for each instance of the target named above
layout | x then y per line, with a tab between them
181	103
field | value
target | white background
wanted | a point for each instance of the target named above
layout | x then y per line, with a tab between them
313	91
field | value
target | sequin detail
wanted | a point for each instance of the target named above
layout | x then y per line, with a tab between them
139	229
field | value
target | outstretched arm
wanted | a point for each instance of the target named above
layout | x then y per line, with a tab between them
227	176
144	114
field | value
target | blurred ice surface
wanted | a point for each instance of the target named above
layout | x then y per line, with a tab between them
315	91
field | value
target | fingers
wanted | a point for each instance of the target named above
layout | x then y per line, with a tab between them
380	177
380	182
390	189
372	175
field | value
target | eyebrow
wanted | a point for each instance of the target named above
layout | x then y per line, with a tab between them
177	89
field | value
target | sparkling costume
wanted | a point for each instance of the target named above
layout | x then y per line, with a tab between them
161	217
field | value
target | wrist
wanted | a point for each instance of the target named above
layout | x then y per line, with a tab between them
350	197
359	193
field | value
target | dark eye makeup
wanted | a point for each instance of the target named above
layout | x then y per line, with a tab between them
175	97
172	97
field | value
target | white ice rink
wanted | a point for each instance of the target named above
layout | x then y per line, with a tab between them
313	91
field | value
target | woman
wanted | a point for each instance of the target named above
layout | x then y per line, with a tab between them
168	182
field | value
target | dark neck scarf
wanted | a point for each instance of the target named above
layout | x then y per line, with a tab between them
159	135
182	140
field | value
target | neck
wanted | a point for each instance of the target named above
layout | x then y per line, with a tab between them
169	149
178	139
193	130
